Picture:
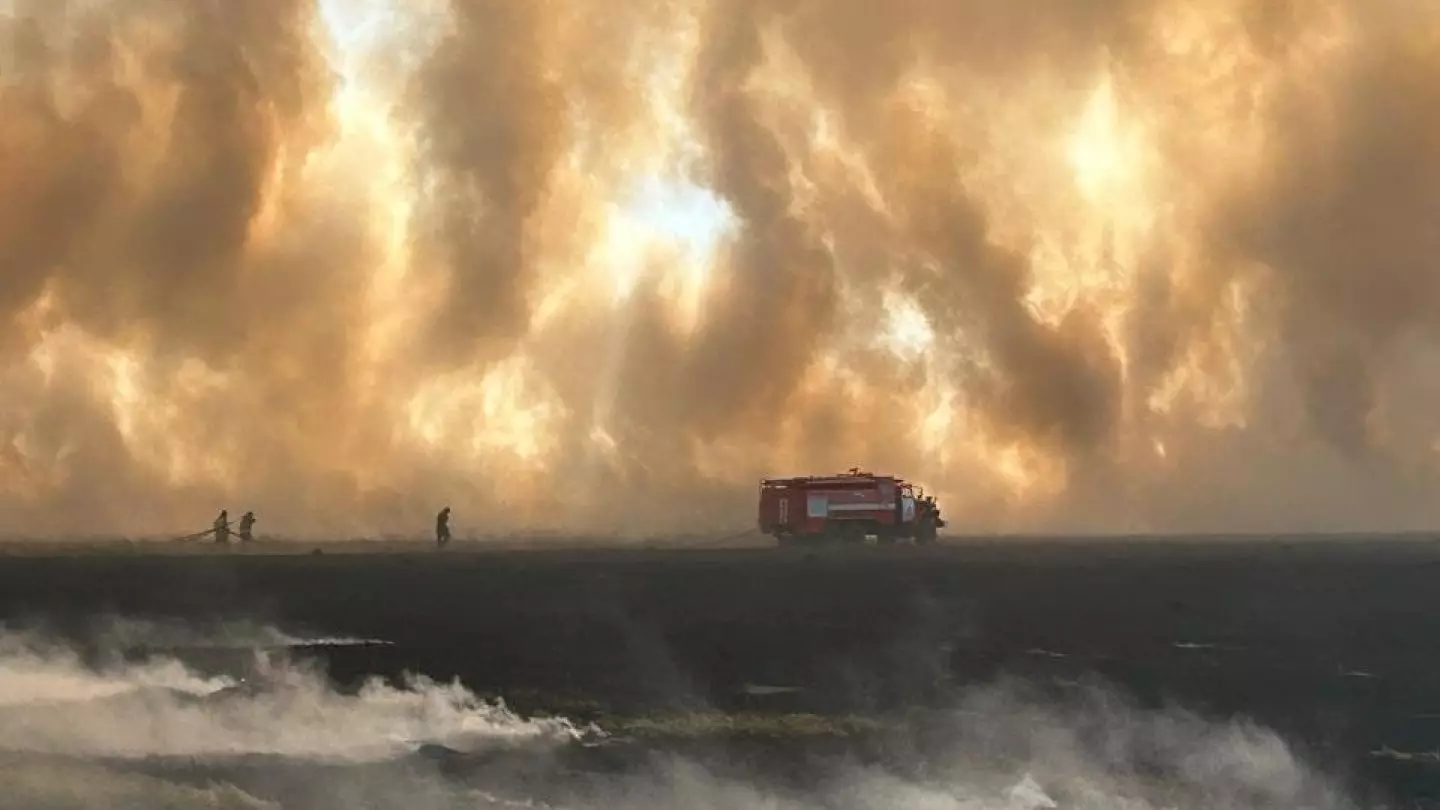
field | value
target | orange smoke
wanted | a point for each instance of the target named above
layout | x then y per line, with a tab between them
1145	265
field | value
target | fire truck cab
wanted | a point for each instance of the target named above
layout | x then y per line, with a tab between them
847	508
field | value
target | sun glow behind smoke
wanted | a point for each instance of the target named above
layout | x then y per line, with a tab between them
666	247
508	410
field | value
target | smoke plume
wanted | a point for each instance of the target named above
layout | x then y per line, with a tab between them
153	731
1143	265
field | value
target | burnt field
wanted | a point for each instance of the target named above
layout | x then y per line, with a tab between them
1332	643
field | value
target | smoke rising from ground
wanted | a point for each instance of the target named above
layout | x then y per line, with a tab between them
159	707
152	731
1139	265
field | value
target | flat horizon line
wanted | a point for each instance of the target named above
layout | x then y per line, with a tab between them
541	539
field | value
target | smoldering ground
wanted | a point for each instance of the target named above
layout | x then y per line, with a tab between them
1140	265
147	730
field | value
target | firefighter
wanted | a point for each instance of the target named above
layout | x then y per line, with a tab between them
442	527
222	527
247	522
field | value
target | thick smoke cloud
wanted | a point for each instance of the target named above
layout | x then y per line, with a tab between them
1132	265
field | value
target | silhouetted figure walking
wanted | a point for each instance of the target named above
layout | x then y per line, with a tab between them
222	527
442	527
247	522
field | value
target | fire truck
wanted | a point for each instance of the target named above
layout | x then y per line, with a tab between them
847	508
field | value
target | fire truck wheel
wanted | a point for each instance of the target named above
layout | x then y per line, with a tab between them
925	533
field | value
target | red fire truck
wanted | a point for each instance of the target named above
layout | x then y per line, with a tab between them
847	508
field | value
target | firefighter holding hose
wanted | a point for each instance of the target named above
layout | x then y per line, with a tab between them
247	524
222	527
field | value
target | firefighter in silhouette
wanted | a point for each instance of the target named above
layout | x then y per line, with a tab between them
442	527
247	522
222	527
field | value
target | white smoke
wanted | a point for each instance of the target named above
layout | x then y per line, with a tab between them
40	675
156	733
78	786
52	703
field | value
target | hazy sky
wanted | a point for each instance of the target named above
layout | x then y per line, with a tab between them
1085	265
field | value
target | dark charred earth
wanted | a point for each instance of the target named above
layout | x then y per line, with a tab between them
769	658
